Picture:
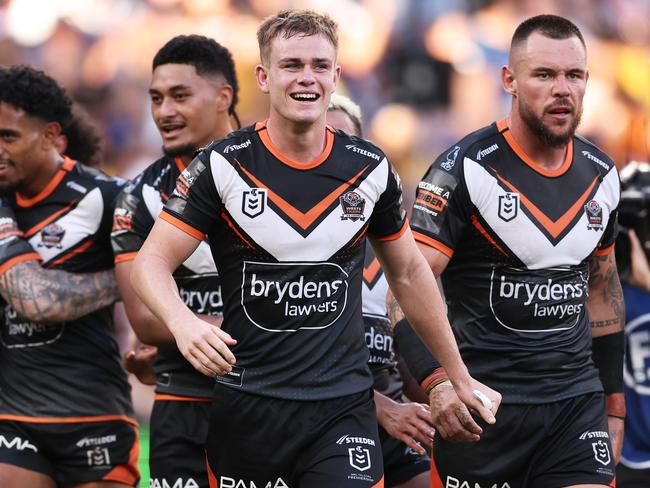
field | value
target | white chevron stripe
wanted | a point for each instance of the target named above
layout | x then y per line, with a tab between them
201	260
270	231
523	237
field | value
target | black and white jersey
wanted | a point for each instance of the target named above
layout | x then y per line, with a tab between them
288	241
519	238
198	284
379	332
70	369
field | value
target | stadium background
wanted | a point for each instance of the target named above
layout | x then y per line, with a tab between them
425	72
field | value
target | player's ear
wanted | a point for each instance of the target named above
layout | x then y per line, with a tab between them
51	135
224	98
508	80
262	78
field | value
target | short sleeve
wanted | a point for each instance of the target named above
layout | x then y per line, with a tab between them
442	206
13	248
194	205
388	219
132	222
606	244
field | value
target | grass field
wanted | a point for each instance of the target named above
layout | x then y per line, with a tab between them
144	456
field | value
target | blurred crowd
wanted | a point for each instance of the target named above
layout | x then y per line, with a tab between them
425	72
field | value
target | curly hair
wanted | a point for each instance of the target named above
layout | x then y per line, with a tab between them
208	58
83	142
39	95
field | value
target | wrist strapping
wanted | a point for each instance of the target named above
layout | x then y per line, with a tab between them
607	353
417	357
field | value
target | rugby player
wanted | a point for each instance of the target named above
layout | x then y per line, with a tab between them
286	204
193	96
402	426
519	218
65	406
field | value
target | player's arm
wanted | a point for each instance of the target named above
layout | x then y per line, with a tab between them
606	312
413	284
43	295
202	344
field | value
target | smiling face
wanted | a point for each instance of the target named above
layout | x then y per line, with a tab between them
26	149
186	107
547	78
300	77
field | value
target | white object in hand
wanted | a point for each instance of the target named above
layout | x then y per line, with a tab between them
487	403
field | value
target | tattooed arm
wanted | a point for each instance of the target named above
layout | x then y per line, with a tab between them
43	295
605	306
606	312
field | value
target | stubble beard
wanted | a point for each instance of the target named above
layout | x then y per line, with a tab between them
180	151
541	131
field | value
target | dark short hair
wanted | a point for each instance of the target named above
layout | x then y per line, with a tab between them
84	141
38	94
552	26
208	57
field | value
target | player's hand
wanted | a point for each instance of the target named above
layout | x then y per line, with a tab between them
407	422
140	362
450	410
616	430
205	346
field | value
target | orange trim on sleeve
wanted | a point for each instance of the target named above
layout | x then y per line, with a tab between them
519	151
179	224
175	398
128	474
66	166
69	420
396	235
605	250
126	257
447	251
264	136
7	265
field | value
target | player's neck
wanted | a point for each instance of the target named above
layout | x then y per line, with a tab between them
218	134
37	182
301	143
548	157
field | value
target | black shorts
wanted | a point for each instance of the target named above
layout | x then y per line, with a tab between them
177	430
76	451
401	463
260	441
534	446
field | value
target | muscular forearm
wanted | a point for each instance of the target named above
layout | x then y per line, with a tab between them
605	305
426	312
43	295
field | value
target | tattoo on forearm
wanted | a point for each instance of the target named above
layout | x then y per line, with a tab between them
603	273
394	311
53	295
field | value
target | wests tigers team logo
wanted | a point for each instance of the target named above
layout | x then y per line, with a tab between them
352	204
594	215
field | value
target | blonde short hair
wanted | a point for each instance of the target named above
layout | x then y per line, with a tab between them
347	106
289	23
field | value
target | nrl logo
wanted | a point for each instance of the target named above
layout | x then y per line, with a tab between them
601	452
352	204
508	206
254	202
359	458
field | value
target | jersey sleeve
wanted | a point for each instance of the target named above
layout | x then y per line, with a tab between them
442	207
606	244
132	222
388	219
13	248
195	204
